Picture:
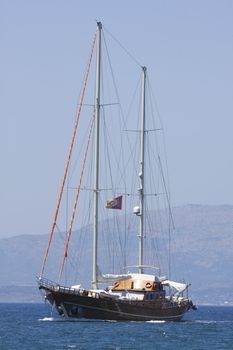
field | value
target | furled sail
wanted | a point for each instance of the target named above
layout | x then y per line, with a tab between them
112	277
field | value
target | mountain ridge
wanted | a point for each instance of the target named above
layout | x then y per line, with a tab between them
203	246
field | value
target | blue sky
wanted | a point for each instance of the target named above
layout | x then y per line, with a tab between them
188	49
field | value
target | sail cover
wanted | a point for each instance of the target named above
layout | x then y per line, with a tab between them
112	277
179	287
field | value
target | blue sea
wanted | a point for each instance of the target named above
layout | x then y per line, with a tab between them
32	326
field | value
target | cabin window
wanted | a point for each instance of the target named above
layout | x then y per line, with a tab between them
150	296
132	285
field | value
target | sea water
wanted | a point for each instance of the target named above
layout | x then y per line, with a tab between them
32	326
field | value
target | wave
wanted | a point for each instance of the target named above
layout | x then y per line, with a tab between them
206	321
48	319
65	319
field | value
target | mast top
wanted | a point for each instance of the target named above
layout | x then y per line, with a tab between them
99	25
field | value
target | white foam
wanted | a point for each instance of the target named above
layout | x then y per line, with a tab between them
156	321
48	319
211	321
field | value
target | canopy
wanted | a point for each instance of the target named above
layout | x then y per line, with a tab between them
179	287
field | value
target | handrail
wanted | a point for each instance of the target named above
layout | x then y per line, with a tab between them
48	284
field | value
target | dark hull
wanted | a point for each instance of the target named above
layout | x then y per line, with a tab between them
74	305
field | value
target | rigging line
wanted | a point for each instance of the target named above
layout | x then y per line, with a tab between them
69	155
124	237
112	231
75	203
74	165
158	212
151	179
132	154
109	104
149	130
137	148
148	215
84	232
104	228
159	163
123	48
106	223
154	243
148	234
67	200
107	152
109	141
155	101
60	234
109	182
153	118
105	213
169	249
107	134
118	97
91	189
137	194
71	263
120	238
106	233
151	93
165	187
105	148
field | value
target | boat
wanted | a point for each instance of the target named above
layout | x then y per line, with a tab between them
128	295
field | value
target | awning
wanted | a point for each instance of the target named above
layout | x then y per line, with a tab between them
179	287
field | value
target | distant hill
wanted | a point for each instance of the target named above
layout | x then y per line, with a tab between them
202	246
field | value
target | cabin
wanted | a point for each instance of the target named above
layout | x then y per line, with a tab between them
138	287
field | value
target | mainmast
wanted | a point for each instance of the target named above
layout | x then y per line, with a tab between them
96	174
142	174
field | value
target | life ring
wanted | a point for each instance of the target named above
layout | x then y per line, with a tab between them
116	284
148	285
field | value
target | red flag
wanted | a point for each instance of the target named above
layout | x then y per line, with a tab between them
115	203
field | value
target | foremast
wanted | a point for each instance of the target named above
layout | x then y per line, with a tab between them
96	167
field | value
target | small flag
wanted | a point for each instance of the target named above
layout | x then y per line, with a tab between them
115	203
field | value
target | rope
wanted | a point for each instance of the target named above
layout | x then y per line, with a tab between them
69	157
75	204
123	48
132	149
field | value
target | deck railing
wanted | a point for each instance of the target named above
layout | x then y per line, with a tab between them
48	284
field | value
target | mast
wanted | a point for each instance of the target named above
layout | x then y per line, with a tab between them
142	174
96	174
